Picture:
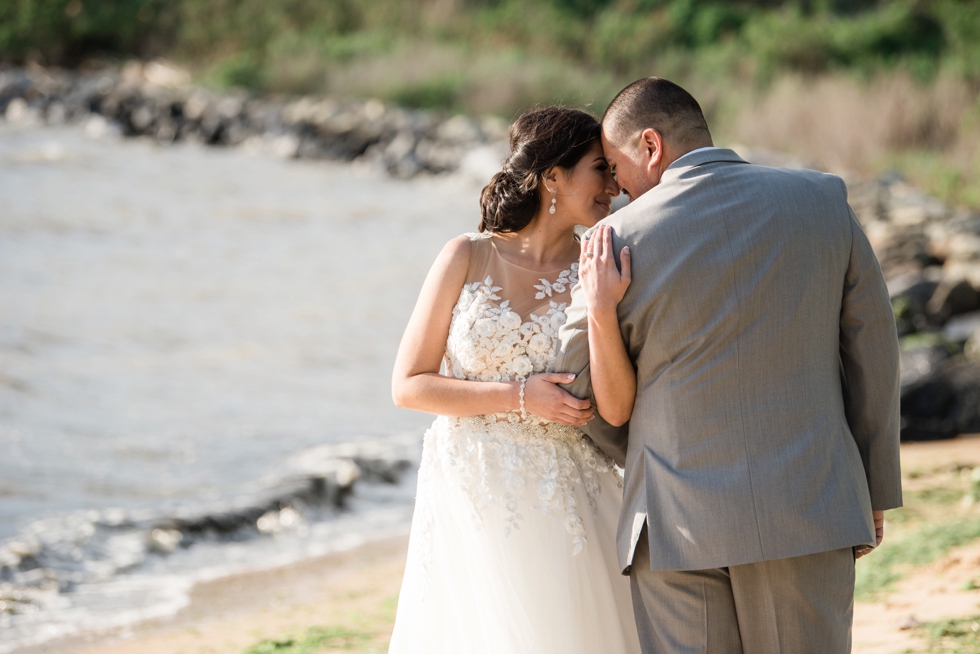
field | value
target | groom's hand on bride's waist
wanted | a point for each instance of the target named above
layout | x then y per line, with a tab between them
545	399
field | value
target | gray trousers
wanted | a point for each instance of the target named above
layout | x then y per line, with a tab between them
802	605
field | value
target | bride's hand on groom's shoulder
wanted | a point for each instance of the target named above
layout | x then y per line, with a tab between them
543	398
603	281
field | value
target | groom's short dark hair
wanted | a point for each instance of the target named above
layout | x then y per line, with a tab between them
658	103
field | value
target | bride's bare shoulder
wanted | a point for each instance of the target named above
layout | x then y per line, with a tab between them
453	261
458	250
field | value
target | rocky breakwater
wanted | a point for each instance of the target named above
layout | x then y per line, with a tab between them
930	255
155	100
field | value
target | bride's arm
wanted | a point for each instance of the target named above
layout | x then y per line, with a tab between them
613	375
416	382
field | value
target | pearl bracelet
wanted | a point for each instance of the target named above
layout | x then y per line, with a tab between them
523	410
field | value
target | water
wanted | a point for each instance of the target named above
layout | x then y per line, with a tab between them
179	328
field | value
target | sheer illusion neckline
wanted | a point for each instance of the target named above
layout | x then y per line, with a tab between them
499	255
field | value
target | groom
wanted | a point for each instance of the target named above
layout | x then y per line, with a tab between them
763	445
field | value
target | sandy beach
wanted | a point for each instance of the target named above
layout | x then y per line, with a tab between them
353	595
355	590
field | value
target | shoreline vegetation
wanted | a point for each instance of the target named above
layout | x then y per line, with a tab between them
866	85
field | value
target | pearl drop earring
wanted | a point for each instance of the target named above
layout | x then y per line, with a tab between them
551	209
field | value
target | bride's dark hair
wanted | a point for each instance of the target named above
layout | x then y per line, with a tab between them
540	140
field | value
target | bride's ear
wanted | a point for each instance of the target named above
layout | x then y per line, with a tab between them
550	179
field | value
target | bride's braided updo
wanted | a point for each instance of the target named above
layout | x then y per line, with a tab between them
540	140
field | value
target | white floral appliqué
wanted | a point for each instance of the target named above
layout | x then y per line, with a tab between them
500	460
489	341
566	280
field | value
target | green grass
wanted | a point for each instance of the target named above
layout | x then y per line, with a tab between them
960	636
879	571
315	640
365	634
932	522
952	176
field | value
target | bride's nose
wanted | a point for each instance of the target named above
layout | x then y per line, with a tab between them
612	186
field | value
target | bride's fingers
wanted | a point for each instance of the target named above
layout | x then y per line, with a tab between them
573	402
572	420
558	377
577	413
626	263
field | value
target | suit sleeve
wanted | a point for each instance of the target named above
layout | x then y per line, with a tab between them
573	356
869	362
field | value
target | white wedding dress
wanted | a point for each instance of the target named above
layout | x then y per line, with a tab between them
512	548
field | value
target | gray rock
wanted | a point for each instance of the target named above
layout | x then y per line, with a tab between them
143	118
918	363
962	327
909	307
460	129
196	105
943	404
952	297
438	157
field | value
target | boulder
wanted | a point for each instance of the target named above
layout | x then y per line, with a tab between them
920	362
943	404
961	328
909	307
952	297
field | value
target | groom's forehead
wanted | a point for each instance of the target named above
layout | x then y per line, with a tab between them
614	155
608	147
612	140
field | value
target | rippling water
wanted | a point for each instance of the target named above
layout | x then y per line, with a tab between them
177	323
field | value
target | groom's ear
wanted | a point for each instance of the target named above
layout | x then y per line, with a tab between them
651	146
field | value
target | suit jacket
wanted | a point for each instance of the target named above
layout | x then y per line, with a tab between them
766	421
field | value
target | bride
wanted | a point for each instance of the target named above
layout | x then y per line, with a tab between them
512	548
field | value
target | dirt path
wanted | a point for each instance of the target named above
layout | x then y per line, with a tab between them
934	592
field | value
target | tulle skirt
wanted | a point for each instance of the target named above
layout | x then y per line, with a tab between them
512	548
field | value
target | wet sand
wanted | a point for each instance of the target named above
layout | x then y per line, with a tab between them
227	616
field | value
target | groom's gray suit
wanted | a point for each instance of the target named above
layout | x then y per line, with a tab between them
766	420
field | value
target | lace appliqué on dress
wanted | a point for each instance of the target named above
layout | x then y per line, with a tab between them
512	463
497	456
488	341
566	280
